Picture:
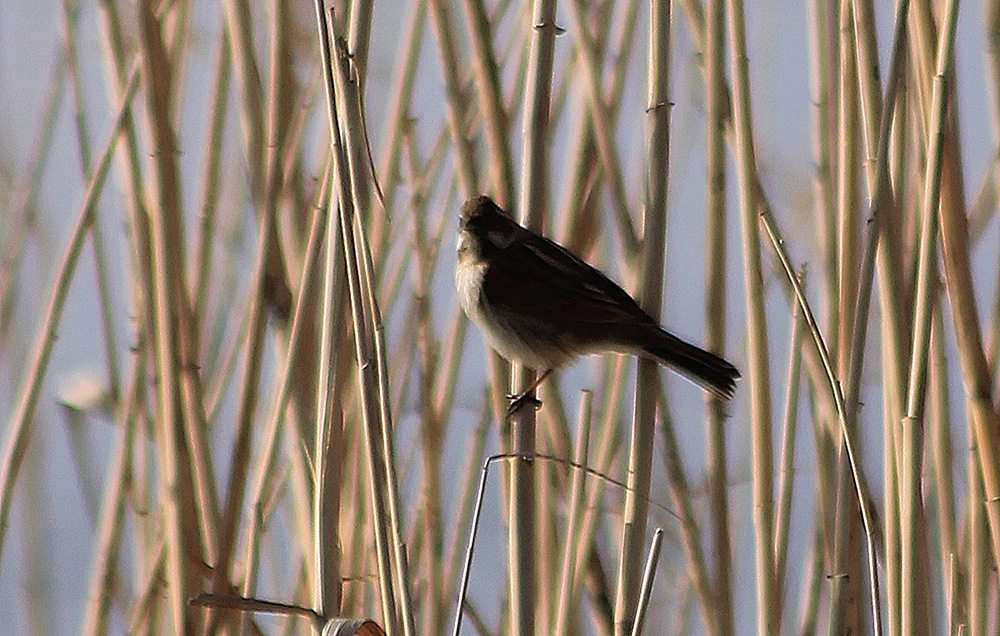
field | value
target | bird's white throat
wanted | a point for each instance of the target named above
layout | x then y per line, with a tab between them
469	274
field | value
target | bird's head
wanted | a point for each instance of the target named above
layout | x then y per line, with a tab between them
484	228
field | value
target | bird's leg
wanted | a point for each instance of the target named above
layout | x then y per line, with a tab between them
525	396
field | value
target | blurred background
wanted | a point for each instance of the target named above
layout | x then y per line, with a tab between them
240	95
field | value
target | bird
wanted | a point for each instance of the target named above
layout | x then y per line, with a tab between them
541	305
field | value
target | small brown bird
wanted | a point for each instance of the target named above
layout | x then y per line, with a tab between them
542	306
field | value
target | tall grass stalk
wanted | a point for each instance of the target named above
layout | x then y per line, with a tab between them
650	284
257	433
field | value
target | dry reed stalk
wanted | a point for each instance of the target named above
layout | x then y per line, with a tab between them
130	165
705	592
814	365
893	294
239	26
556	435
491	103
27	399
881	202
456	103
358	31
608	445
176	487
70	22
715	313
822	59
111	520
267	467
464	501
262	296
567	579
977	551
325	586
650	297
212	168
398	115
546	541
992	10
604	137
581	197
758	362
13	248
789	426
150	556
848	155
71	11
607	148
432	430
532	210
914	567
958	278
145	609
849	445
942	459
343	102
390	479
348	83
248	395
844	611
992	28
812	584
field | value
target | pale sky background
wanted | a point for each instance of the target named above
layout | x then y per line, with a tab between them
779	55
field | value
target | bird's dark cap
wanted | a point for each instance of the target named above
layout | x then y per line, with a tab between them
481	205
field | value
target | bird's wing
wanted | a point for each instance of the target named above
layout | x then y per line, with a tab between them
536	277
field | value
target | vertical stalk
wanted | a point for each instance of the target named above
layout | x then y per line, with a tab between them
786	466
607	148
169	289
821	62
715	310
913	549
650	299
491	105
468	178
846	582
847	184
345	181
27	399
532	209
568	565
757	353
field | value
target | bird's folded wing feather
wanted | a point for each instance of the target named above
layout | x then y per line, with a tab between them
536	277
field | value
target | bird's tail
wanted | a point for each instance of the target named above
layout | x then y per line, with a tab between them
704	368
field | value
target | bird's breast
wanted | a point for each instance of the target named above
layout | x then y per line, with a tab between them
469	273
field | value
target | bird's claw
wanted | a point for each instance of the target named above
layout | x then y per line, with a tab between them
519	401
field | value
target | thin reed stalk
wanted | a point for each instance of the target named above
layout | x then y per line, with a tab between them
757	346
640	452
19	429
167	237
914	567
715	312
532	209
569	567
